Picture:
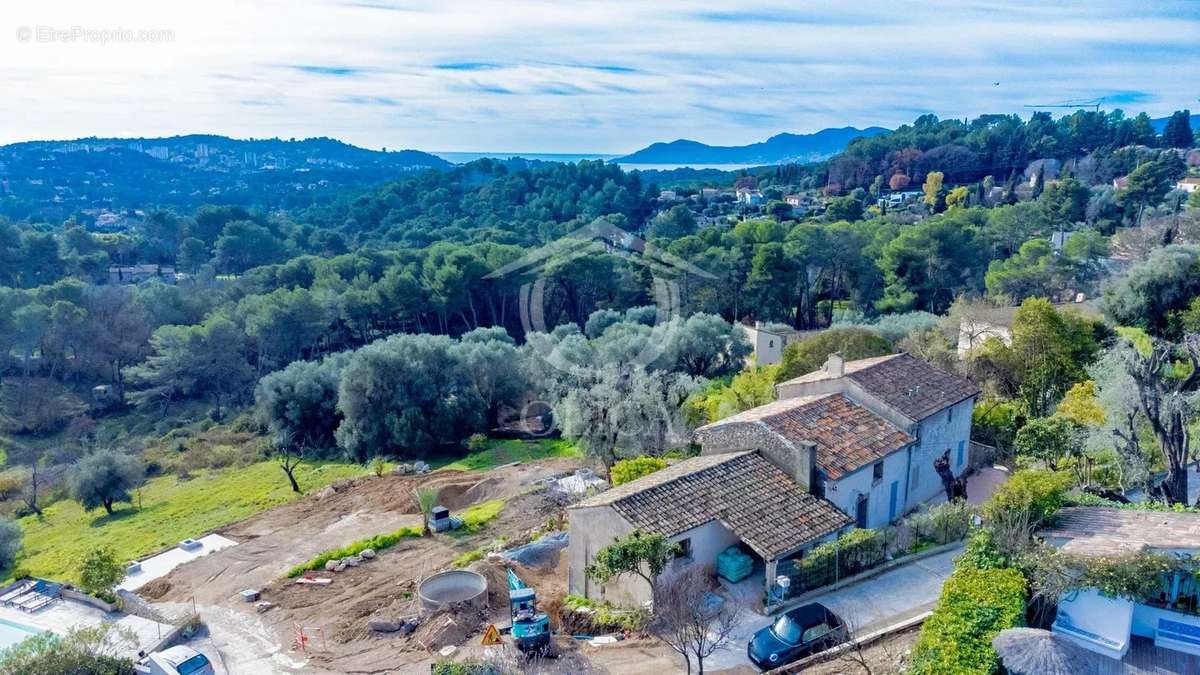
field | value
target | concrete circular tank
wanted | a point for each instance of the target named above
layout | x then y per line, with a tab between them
455	587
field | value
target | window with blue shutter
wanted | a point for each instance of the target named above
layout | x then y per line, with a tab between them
962	447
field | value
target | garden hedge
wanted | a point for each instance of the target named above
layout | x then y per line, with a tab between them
975	605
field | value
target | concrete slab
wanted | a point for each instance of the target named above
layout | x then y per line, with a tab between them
161	565
63	615
238	641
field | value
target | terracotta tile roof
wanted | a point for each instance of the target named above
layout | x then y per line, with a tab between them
912	386
821	375
1095	530
847	435
746	493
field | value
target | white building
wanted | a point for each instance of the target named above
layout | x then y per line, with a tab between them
768	341
749	197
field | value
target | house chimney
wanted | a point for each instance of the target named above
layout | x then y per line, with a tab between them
804	469
835	365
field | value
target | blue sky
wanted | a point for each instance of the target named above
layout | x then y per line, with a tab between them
565	76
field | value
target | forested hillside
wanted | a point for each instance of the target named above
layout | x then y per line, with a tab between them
368	323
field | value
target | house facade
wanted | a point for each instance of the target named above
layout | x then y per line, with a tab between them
929	404
768	341
850	445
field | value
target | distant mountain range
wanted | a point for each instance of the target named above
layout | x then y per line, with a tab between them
779	149
1160	123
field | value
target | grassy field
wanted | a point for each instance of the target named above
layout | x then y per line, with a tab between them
171	511
501	452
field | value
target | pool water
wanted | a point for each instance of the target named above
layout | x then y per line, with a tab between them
14	633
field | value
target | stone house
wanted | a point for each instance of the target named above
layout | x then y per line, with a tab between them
932	406
704	505
850	445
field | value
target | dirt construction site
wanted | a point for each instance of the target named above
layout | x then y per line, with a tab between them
368	617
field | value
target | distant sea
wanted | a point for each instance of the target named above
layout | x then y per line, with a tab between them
464	157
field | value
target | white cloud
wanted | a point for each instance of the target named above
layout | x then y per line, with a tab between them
549	75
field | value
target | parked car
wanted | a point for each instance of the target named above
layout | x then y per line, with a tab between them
179	660
796	634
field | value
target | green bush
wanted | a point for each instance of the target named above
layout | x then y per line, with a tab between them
809	354
975	605
853	552
378	542
477	442
981	552
99	571
631	469
604	614
942	524
996	422
1036	492
469	667
1048	439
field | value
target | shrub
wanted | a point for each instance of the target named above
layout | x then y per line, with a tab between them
378	466
942	524
1023	504
995	422
975	605
604	614
477	442
981	552
810	353
1036	492
634	468
378	543
853	552
99	571
470	667
1048	439
10	542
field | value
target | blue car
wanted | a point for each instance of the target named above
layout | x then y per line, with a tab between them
796	634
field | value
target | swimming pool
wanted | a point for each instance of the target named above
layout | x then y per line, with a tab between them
14	633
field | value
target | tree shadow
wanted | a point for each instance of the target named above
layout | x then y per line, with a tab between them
119	515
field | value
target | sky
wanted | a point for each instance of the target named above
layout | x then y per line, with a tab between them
573	76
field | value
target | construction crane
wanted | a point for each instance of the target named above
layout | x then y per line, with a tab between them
1076	104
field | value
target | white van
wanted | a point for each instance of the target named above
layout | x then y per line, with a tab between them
178	660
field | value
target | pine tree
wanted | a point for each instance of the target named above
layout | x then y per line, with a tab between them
1178	133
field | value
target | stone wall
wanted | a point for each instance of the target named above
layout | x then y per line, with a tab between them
796	462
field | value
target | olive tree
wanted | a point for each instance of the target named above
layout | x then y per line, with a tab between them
104	478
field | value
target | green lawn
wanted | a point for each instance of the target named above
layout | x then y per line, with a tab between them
171	511
505	451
